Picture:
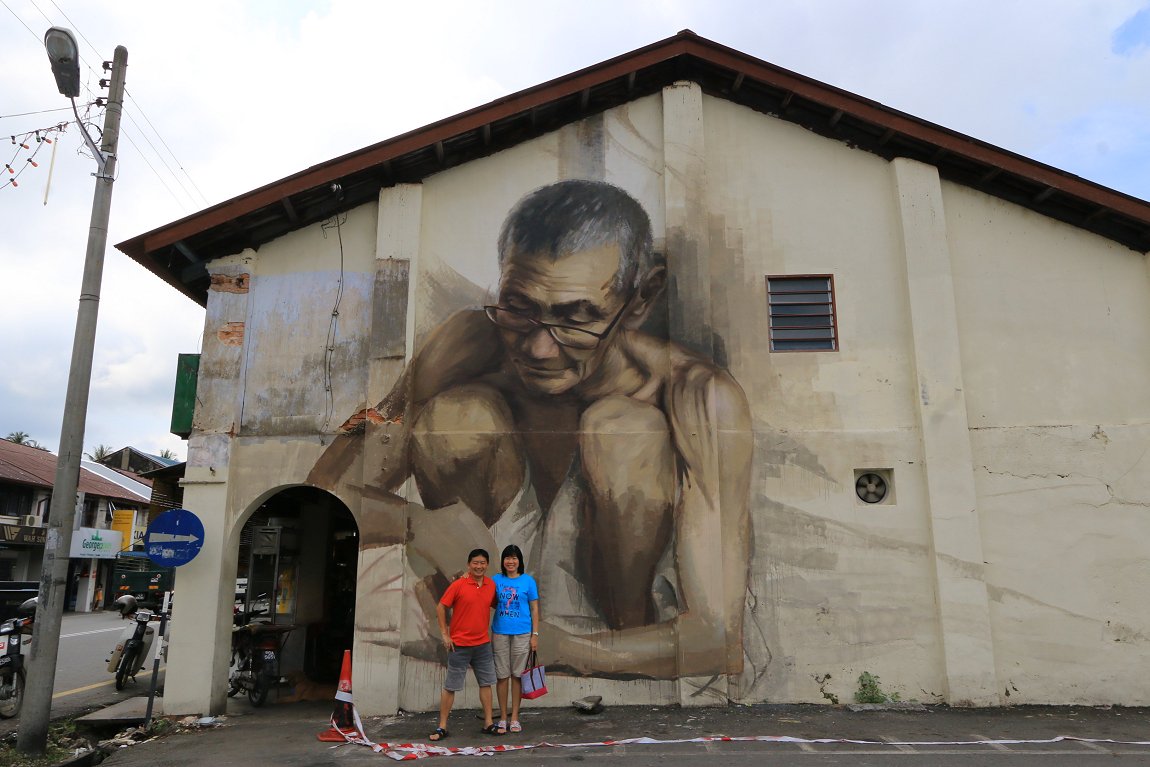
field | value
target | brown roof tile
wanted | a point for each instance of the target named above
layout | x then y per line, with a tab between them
32	466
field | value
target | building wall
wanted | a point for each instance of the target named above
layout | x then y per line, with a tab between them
976	346
1055	332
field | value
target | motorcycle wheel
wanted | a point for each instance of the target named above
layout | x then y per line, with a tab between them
13	687
258	694
124	670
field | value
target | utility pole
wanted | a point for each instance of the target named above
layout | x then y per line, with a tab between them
37	707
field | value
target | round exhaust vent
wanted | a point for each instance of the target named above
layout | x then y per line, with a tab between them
871	487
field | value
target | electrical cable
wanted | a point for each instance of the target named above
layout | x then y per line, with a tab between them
22	145
87	87
40	112
143	134
20	20
333	323
160	136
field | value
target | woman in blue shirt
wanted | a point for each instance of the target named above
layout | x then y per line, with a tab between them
514	632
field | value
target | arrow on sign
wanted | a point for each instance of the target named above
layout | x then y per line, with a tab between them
170	538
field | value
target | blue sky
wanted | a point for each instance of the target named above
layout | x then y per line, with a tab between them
229	96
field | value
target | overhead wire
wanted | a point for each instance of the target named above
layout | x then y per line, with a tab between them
13	175
38	112
142	132
143	114
19	19
160	136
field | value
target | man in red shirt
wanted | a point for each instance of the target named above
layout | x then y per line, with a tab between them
469	598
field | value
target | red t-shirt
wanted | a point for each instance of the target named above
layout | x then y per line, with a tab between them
470	605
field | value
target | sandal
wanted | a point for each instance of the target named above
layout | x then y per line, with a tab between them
494	729
439	734
515	726
502	724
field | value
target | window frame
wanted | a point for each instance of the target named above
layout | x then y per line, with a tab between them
835	340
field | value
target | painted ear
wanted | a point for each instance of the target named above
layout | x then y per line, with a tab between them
648	292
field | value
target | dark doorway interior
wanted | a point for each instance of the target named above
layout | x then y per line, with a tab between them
297	565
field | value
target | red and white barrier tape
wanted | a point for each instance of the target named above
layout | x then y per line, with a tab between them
405	751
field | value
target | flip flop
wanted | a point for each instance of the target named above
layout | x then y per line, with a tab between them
438	735
502	724
493	729
515	726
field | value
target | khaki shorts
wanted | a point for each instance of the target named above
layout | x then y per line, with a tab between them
510	652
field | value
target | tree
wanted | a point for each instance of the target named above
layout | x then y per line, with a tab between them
167	454
99	453
22	438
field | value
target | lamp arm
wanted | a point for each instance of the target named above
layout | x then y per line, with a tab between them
100	157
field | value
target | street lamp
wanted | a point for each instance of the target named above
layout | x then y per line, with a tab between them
37	708
65	57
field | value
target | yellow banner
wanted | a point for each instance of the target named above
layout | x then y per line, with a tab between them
124	520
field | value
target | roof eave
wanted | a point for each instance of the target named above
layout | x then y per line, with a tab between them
720	70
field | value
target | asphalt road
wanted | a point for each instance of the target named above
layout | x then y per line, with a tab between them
82	681
284	735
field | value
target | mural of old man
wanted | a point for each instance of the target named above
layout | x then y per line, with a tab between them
618	460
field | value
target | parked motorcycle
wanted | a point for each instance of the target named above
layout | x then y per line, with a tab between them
256	648
12	673
128	656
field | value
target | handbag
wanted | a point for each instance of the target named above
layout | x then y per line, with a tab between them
533	678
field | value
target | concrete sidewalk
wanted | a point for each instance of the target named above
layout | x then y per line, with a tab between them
285	734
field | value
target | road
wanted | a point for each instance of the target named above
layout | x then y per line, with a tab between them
82	679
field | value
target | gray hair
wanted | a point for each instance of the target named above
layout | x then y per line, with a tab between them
570	216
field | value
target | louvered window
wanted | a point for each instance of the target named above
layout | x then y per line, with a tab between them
802	313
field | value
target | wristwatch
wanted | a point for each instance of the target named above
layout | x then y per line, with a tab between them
534	633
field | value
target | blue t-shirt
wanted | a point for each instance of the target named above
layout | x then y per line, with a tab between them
513	598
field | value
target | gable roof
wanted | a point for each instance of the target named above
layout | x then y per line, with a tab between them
32	466
177	252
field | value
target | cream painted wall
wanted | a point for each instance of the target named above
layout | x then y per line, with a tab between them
1055	332
841	587
1053	329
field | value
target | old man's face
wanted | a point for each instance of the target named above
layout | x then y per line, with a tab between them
573	291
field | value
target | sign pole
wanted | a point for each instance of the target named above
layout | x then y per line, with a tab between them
165	610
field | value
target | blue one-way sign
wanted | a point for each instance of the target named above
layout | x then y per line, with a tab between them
174	538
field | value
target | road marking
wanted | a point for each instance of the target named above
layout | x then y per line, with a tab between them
995	746
900	746
93	631
95	686
1095	747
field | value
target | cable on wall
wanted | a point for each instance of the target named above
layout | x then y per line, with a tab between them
336	222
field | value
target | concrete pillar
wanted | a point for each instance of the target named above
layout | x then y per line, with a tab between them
200	648
689	293
956	542
684	191
377	665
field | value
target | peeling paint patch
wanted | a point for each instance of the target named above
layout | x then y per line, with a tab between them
231	334
231	283
357	422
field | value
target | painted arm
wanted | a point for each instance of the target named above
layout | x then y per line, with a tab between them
465	347
710	426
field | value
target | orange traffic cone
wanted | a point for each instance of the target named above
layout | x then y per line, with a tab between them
345	723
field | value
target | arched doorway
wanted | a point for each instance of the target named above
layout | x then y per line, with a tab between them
296	565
